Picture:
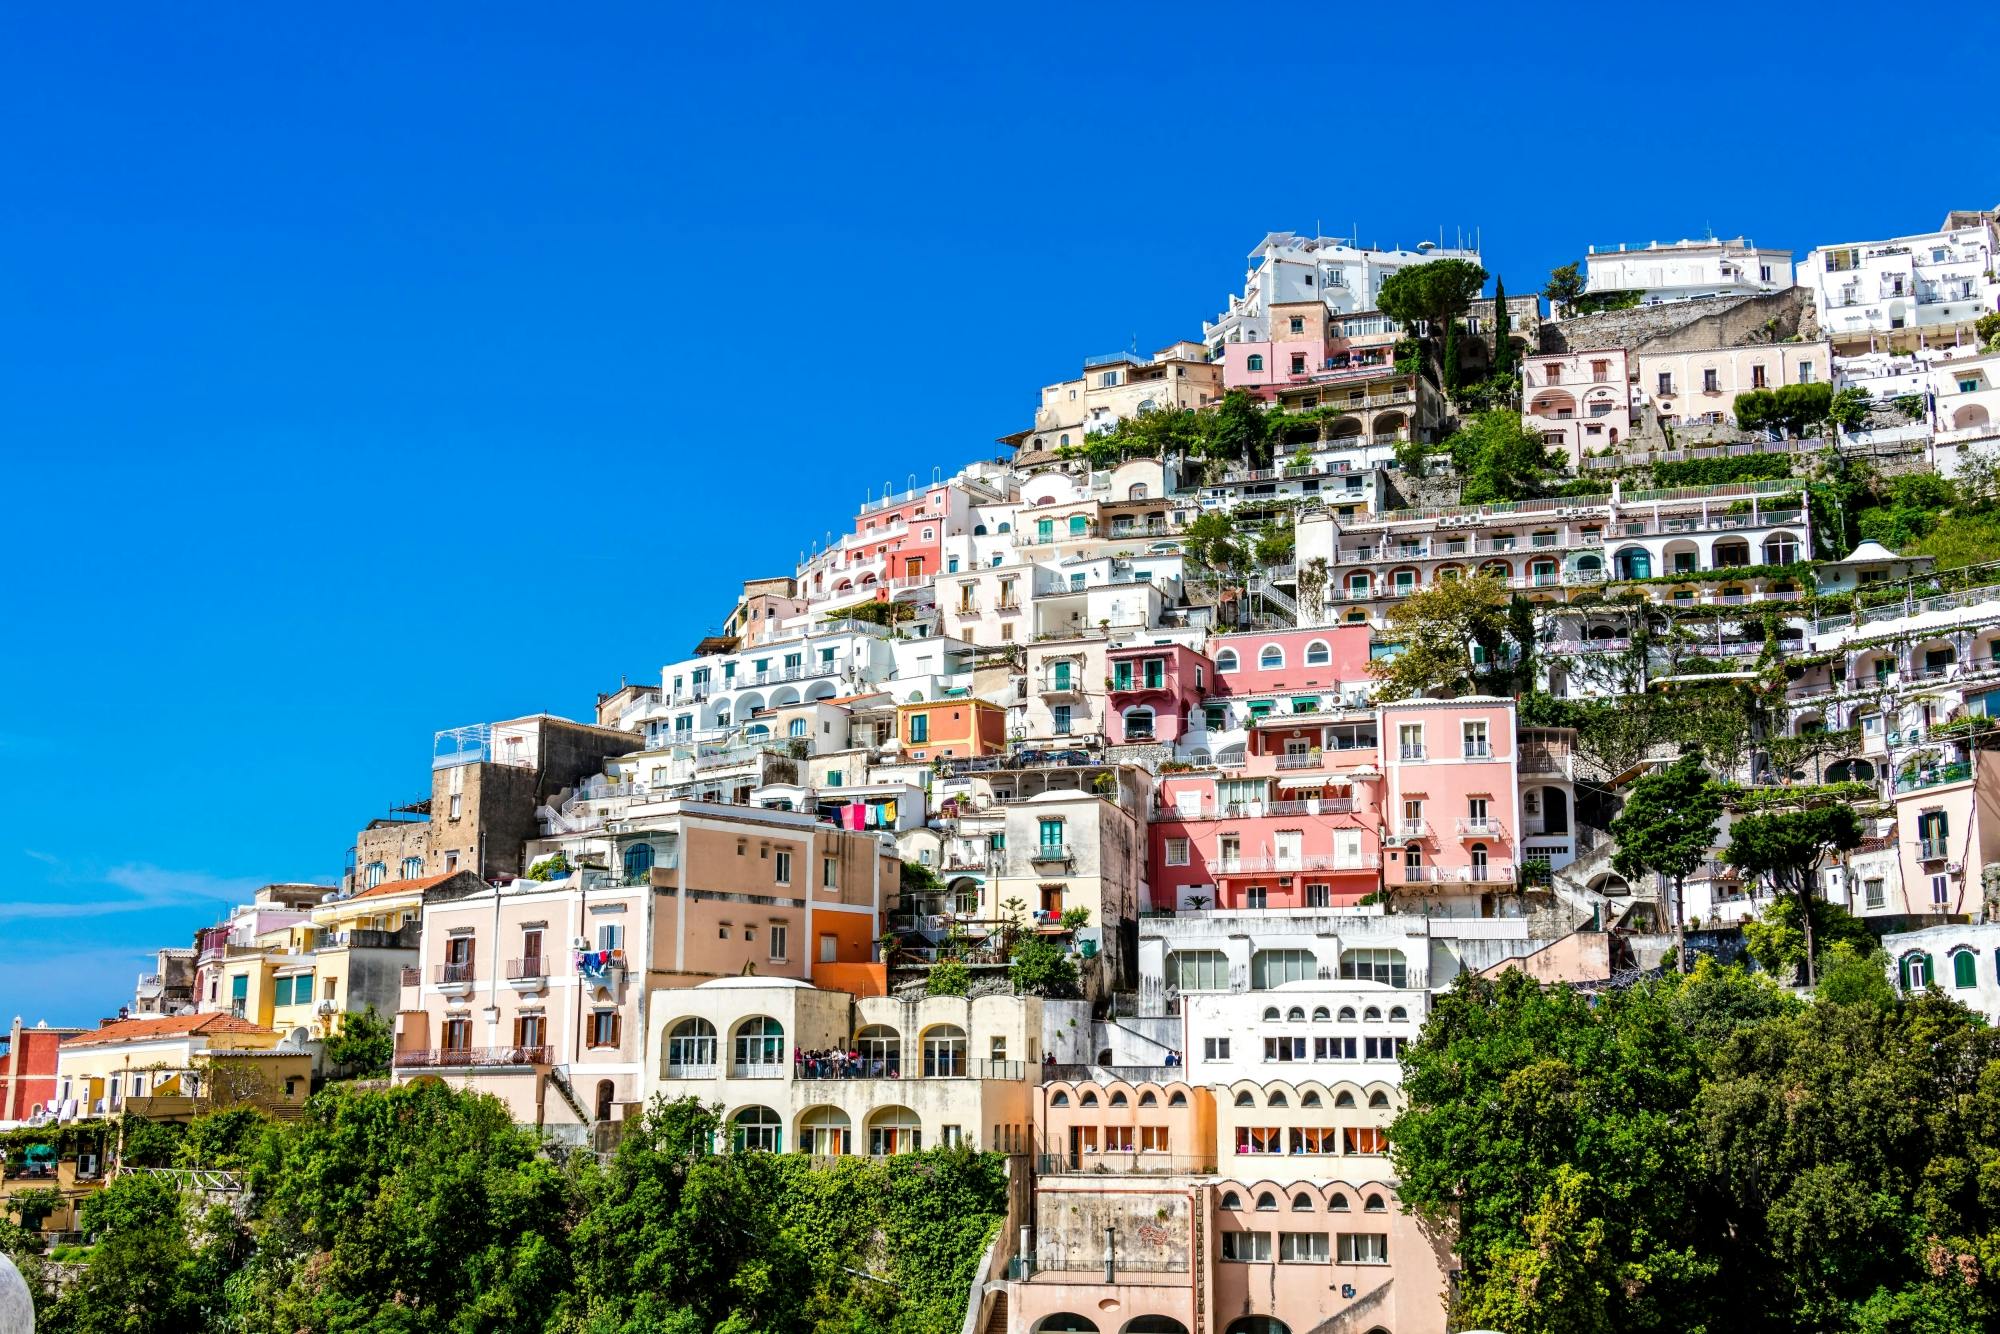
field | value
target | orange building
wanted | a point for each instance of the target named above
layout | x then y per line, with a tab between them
950	728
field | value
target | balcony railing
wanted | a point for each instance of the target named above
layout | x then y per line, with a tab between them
459	1057
1297	761
1932	850
1051	852
522	969
1935	776
1317	862
1090	1161
1479	826
453	974
1413	752
1413	828
413	977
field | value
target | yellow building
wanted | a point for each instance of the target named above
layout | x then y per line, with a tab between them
98	1071
362	944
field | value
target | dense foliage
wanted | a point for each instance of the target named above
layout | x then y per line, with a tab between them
422	1208
1708	1153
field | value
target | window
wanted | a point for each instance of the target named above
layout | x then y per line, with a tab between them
1410	740
1757	377
778	941
1302	1248
1255	362
1155	673
1964	969
781	868
413	867
1872	893
1177	852
797	727
1153	1139
1475	739
1318	654
1059	717
1247	1247
1805	372
1215	1049
1271	657
1298	363
611	936
1319	896
1273	968
760	1042
829	873
1225	661
1666	383
1373	966
1364	1248
759	1128
604	1028
1121	676
1298	324
638	862
920	728
1051	834
1364	1139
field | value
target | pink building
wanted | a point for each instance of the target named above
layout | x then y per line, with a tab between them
1325	657
1578	402
1451	792
1155	689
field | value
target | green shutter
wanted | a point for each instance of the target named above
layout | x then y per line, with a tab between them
239	987
1964	969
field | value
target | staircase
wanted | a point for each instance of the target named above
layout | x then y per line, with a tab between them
560	1082
996	1319
1261	587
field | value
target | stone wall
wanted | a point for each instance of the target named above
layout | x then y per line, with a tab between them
1723	321
1152	1228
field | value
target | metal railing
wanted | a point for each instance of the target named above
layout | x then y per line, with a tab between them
1051	852
521	969
453	974
1935	776
1316	862
458	1057
1086	1162
1479	826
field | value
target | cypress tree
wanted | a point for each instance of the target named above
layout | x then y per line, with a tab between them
1503	351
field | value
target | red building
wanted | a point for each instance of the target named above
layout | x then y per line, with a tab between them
28	1069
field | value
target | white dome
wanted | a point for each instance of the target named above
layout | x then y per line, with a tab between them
17	1308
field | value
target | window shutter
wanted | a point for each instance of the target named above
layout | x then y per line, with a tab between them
1930	971
517	1032
617	1028
1903	973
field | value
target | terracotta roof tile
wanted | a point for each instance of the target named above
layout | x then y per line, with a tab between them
168	1026
404	886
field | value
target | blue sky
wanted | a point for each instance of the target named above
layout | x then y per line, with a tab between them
380	369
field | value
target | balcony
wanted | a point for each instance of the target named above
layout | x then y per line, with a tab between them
758	1070
1090	1161
413	977
1412	752
1051	852
1489	873
1318	862
1935	776
455	976
1412	828
1310	760
472	1057
1932	850
1477	752
690	1070
1479	826
528	974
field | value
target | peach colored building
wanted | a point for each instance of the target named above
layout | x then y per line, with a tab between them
1698	387
1451	798
1578	402
942	729
1947	826
537	991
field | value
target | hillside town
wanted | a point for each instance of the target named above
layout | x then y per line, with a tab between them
1124	801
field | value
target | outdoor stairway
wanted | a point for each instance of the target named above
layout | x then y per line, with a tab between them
560	1082
996	1319
1261	586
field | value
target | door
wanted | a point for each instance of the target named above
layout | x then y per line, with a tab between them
829	948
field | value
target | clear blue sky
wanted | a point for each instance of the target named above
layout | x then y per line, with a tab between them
380	369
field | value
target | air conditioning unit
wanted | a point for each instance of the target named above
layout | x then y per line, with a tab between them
1954	868
581	943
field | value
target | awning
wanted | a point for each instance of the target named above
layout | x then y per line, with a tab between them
1309	780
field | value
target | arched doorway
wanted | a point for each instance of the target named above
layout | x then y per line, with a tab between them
1259	1324
1555	810
1065	1322
605	1093
1154	1324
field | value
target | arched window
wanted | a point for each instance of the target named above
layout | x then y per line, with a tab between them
1271	656
979	530
1177	1099
1225	661
1118	1098
1916	971
1318	654
1230	1200
881	1049
1277	1099
1255	361
1397	1014
1371	1015
1059	1099
1296	1015
1964	969
1336	1203
1267	1202
1375	1205
1243	1099
1347	1014
1139	724
826	1131
691	1047
1149	1099
1321	1014
1274	968
1302	1202
1136	491
1311	1099
1271	1014
638	860
894	1130
760	1044
1005	528
944	1051
1089	1099
1344	1098
1378	1099
759	1129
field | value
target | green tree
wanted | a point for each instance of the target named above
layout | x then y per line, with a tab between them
1503	330
1038	966
228	1141
1436	294
1451	639
1499	458
948	977
1667	828
1237	431
1565	284
1788	848
363	1044
34	1204
1553	1279
1776	936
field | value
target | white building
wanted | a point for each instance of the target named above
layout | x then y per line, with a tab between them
1287	267
1962	961
1686	270
1908	291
